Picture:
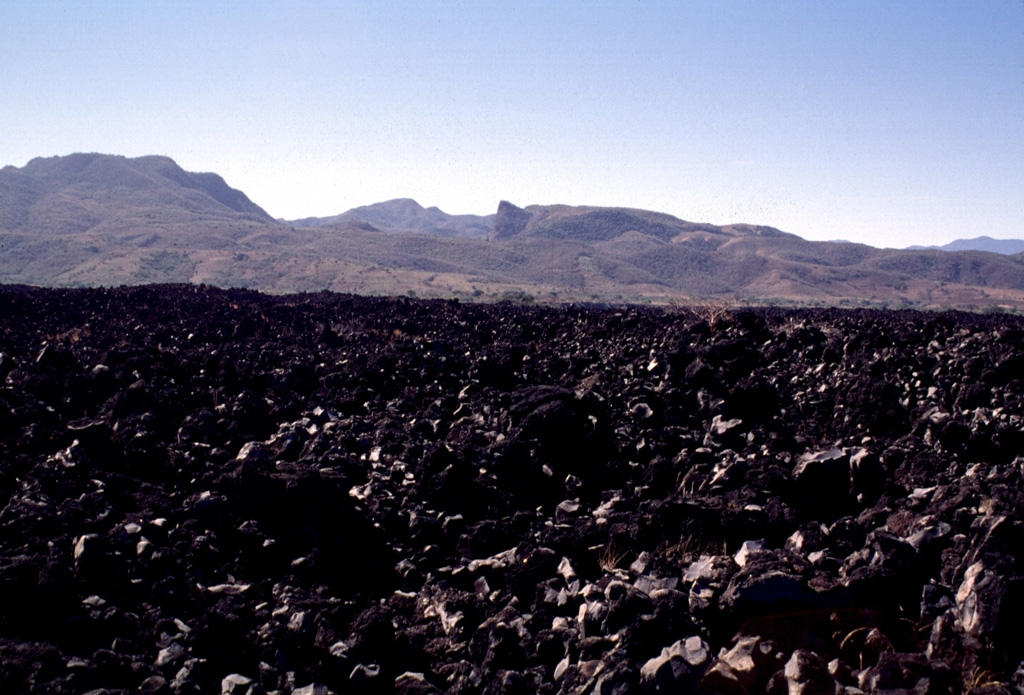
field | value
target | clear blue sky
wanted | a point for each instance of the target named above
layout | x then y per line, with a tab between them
890	122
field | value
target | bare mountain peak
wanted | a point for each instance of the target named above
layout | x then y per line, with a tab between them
403	205
93	171
144	197
406	216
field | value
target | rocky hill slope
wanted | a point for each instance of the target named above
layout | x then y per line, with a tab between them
87	220
222	491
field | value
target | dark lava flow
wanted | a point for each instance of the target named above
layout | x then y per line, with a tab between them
210	491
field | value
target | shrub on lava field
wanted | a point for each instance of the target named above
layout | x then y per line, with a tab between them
516	297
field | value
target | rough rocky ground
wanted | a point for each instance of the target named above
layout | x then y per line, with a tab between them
213	491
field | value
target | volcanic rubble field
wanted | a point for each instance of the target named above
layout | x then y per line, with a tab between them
210	491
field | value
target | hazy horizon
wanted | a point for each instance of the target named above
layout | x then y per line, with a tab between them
891	124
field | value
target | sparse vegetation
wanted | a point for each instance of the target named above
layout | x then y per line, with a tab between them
708	311
165	266
611	557
516	296
981	680
690	548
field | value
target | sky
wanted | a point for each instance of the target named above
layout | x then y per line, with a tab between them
890	123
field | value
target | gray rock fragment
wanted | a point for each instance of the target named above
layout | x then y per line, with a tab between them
745	550
744	668
678	668
807	674
414	683
235	684
313	689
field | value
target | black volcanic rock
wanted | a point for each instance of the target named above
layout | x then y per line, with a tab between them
210	489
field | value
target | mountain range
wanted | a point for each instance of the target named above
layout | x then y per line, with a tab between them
981	243
92	219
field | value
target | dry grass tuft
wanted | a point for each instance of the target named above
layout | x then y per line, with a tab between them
982	680
611	558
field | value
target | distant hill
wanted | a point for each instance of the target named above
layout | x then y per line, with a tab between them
80	191
596	224
102	219
1007	247
406	216
90	219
